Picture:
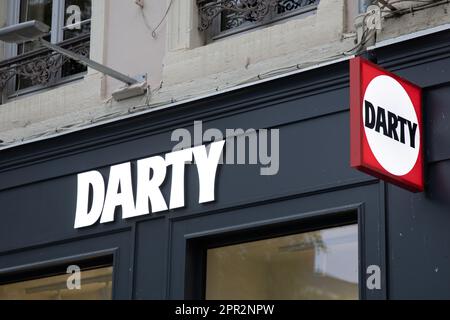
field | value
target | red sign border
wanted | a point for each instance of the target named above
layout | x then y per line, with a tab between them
357	134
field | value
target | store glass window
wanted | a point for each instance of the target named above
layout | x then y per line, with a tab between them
317	265
96	284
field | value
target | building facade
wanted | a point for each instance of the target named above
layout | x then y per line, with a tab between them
291	220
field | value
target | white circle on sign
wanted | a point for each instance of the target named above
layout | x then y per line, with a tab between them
394	156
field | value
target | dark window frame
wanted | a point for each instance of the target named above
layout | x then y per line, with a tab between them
58	266
198	245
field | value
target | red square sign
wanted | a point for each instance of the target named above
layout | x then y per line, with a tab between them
386	125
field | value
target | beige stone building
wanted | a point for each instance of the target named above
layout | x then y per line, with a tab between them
179	49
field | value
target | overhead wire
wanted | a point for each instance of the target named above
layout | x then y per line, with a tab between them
147	24
424	4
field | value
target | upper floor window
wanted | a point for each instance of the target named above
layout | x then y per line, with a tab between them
27	66
220	18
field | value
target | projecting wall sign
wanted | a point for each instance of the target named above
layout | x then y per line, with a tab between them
386	125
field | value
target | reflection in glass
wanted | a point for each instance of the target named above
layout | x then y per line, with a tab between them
96	284
315	265
70	31
40	10
85	7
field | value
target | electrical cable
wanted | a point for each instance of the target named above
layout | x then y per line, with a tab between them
401	11
154	30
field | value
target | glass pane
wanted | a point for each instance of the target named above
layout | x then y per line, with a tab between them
36	10
40	10
82	8
96	284
315	265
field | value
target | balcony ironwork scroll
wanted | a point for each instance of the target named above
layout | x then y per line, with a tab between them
236	12
42	66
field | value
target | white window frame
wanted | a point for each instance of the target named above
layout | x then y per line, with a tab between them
58	15
57	35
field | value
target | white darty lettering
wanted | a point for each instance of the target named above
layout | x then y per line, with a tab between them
390	124
151	173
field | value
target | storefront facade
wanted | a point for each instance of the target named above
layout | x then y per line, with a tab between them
315	196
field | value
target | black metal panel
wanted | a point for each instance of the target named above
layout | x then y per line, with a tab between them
437	122
42	213
418	239
151	270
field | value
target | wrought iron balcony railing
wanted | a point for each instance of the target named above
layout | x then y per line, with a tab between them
41	68
223	15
